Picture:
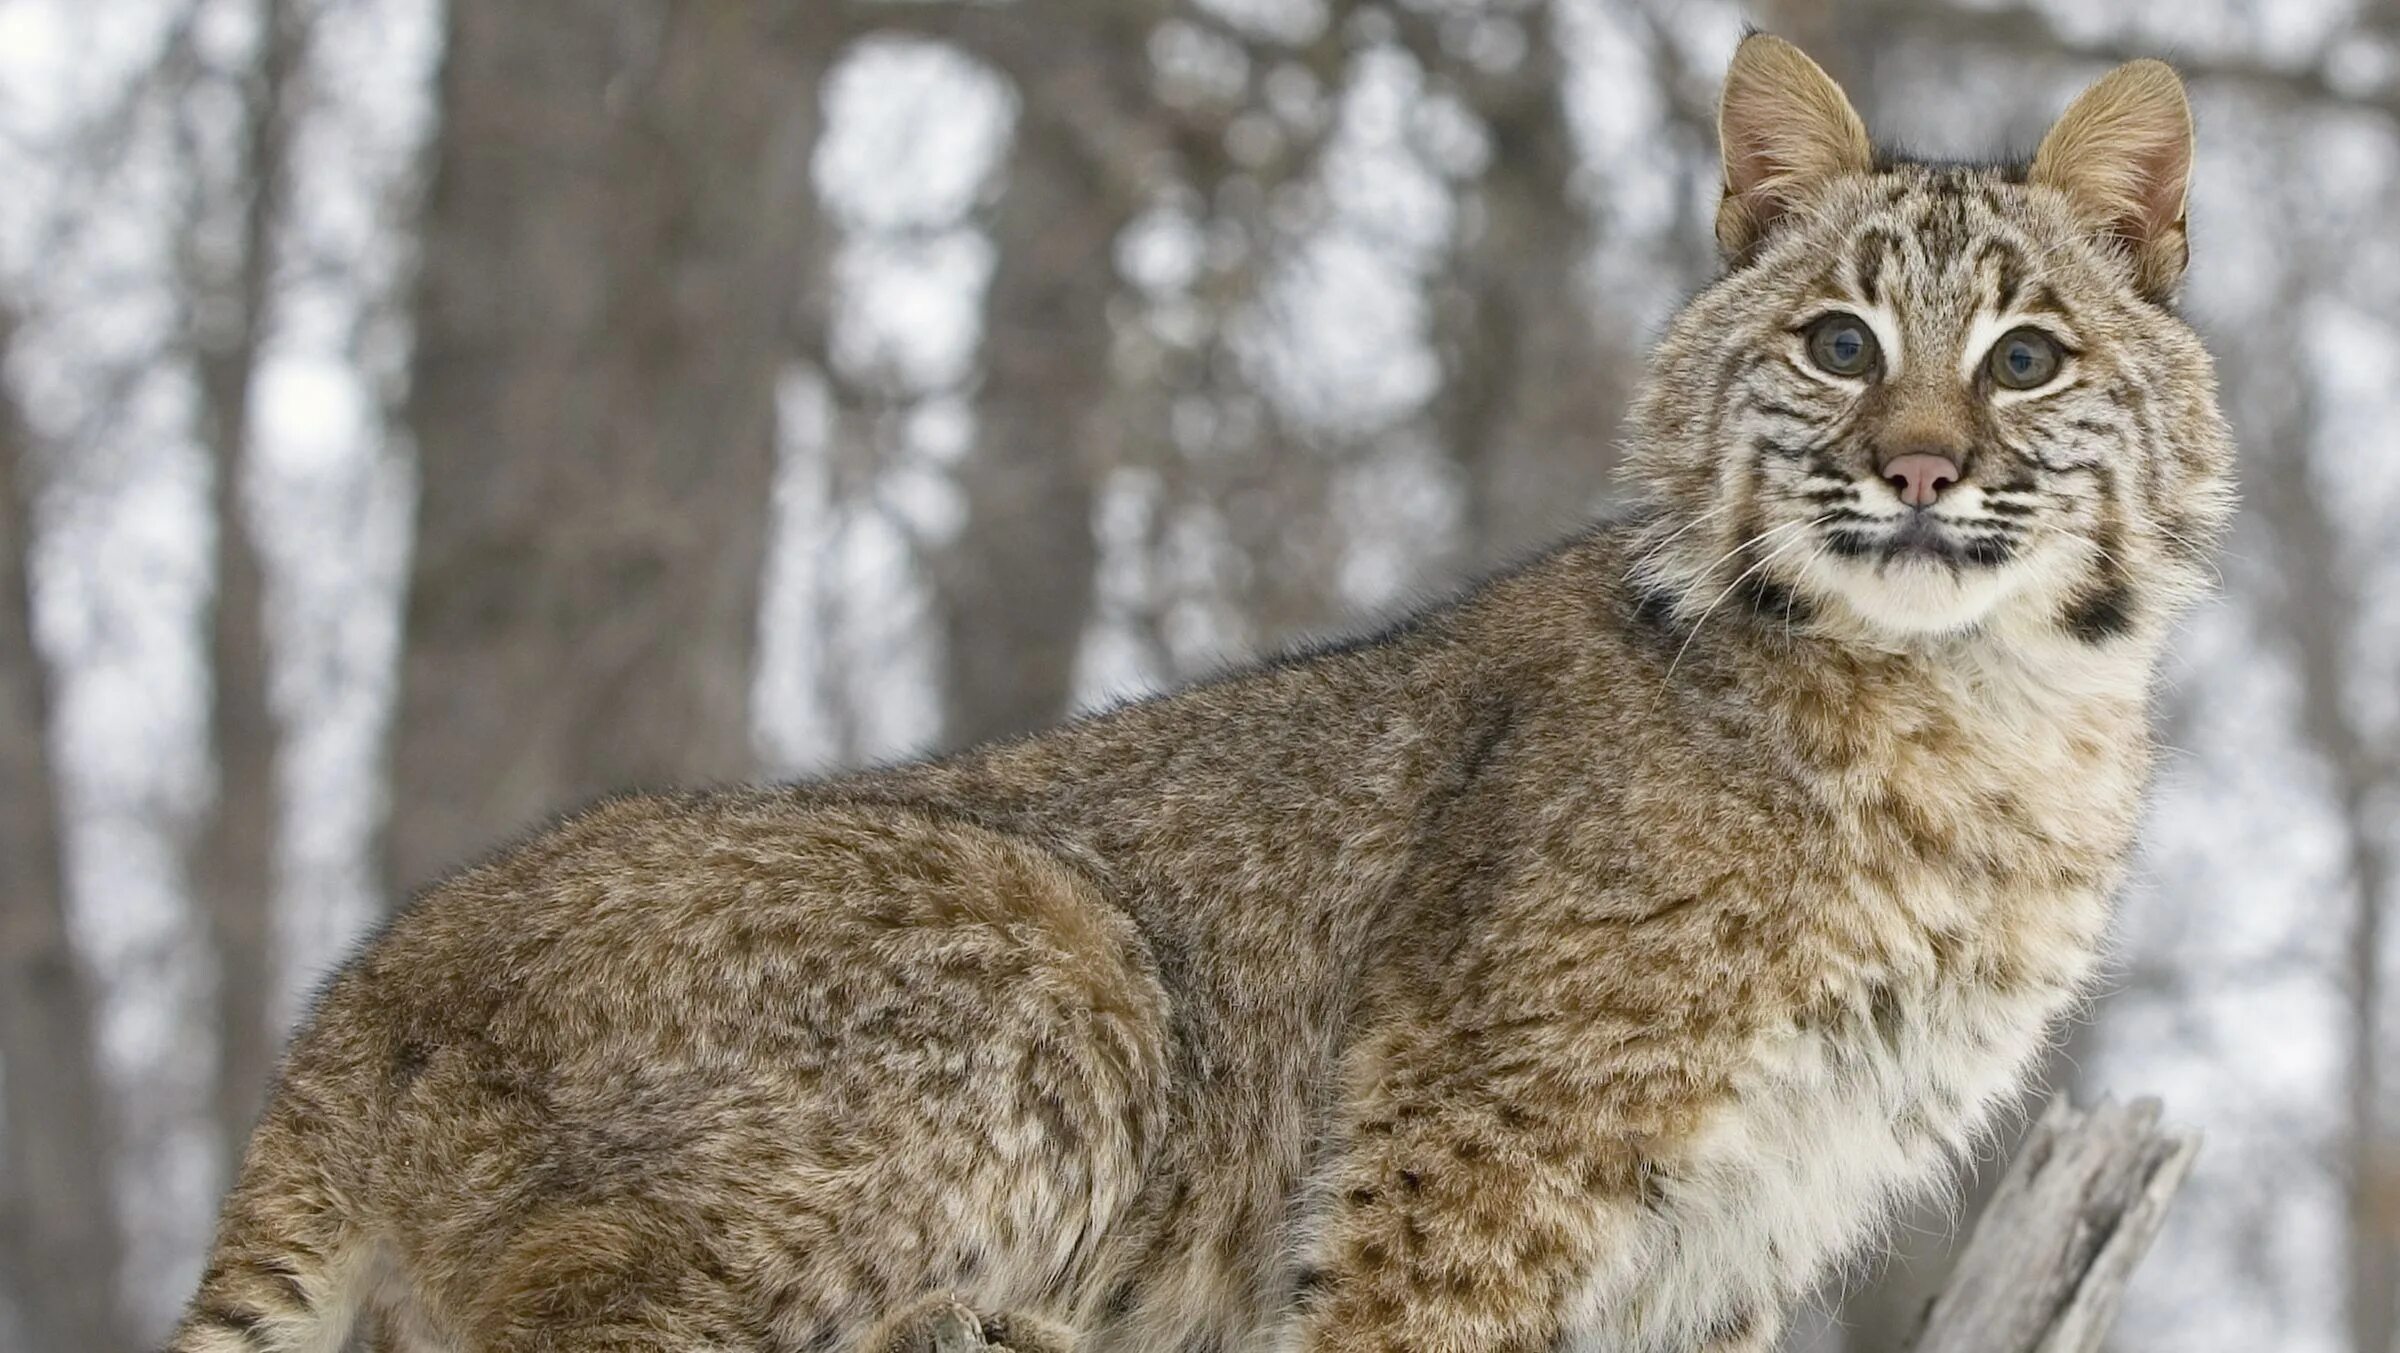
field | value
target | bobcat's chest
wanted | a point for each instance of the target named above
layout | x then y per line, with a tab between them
1928	982
1829	1128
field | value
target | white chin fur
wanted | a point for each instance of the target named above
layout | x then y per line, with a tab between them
1911	597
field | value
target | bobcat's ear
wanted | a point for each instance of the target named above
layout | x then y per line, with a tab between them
1784	127
2122	154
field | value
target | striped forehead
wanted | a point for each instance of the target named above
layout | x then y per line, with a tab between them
1951	241
1941	260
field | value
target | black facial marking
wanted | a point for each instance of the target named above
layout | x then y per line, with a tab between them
1875	249
1778	409
1988	551
1941	220
2104	610
2046	300
241	1322
1771	600
2008	272
1851	544
2104	613
287	1277
1925	222
1820	462
1654	608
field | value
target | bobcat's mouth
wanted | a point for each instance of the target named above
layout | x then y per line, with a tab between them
1916	572
1918	539
1921	537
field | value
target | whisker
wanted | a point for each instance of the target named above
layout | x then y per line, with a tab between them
2122	567
1768	558
2200	552
1654	551
1759	539
1805	565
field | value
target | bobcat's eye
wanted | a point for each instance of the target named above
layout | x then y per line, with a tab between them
2025	359
1842	345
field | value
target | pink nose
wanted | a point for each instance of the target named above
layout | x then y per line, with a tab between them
1920	478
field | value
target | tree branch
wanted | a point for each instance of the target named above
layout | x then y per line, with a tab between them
2050	1259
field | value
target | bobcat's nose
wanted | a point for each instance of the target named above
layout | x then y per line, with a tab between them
1919	478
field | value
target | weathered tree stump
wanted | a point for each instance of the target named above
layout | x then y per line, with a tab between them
2049	1261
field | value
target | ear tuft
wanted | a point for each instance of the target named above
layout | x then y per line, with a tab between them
1784	128
2122	154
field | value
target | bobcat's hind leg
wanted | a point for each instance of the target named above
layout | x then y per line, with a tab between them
943	1324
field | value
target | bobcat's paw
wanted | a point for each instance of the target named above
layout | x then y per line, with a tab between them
942	1324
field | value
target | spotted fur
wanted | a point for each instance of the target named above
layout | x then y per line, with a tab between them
1586	964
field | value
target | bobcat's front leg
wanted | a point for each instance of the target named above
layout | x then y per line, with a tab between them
1468	1227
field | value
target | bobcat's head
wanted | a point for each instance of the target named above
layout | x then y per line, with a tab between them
1928	399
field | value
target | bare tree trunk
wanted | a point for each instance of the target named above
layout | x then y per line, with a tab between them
233	861
2371	1201
60	1253
2321	610
1530	397
611	245
1015	588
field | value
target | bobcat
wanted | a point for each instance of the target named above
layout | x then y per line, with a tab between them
1586	963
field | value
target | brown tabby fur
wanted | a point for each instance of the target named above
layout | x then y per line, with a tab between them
1587	963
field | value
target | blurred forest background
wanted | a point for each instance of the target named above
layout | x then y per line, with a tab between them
419	418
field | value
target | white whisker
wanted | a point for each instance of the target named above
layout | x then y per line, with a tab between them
1654	551
1805	566
1764	560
